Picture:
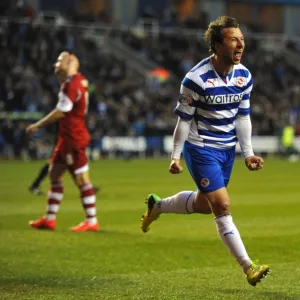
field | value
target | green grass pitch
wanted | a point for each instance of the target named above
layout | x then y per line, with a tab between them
181	257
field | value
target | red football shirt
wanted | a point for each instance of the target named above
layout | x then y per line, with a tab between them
73	101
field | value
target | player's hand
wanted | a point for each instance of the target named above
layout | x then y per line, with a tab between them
32	129
254	163
175	166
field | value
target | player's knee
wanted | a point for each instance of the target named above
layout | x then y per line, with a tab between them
206	211
223	208
220	207
78	181
53	177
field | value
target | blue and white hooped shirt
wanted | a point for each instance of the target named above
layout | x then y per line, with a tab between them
213	103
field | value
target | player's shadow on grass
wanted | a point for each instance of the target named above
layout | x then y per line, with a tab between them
266	295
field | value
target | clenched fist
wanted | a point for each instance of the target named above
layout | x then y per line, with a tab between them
175	166
254	163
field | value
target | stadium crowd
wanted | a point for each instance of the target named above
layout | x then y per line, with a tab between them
122	103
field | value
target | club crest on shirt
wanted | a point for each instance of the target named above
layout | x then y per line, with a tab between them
185	99
240	81
205	182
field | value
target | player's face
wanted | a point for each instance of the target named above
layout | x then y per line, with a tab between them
233	45
61	66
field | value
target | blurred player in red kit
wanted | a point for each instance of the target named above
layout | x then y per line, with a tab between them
72	140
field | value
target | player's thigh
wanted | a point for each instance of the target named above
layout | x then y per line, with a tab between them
57	164
75	159
56	171
205	167
228	161
81	178
78	165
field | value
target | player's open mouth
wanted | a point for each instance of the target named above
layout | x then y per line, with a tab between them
237	55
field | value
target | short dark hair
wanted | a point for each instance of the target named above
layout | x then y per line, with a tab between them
213	33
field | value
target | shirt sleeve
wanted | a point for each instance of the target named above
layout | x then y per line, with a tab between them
190	91
244	107
180	135
243	132
67	97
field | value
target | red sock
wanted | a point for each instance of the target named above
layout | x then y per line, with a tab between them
55	195
88	199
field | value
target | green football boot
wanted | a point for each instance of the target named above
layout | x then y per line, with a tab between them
256	273
151	214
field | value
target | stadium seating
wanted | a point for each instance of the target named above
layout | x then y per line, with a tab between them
125	98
